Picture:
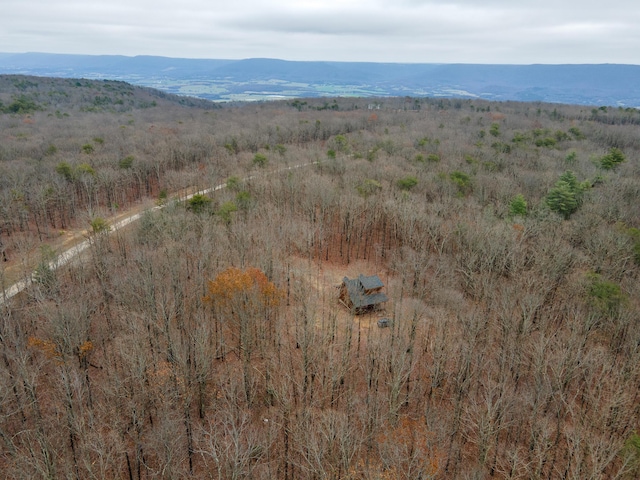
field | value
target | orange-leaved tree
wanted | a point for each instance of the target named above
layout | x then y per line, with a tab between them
248	287
244	302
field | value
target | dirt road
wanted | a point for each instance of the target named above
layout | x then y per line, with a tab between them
78	241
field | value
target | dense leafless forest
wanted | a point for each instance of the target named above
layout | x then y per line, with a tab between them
206	340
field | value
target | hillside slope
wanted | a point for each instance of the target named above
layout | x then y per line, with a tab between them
206	340
255	79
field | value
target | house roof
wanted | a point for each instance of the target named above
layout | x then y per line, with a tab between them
356	289
370	282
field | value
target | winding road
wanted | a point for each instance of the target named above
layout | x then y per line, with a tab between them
73	252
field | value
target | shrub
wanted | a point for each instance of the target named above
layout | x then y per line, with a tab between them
422	142
99	225
244	200
470	159
501	147
612	159
51	150
634	233
22	104
519	138
577	134
86	169
561	136
562	199
546	142
570	178
233	183
369	187
462	181
341	143
604	296
566	196
518	206
571	158
631	452
407	183
44	275
64	169
198	203
225	211
126	162
260	160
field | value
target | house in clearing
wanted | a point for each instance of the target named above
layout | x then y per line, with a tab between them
362	294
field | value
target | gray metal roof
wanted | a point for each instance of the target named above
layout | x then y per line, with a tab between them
370	282
356	289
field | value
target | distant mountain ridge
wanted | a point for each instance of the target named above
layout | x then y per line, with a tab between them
259	78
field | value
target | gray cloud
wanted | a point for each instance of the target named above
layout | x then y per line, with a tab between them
495	31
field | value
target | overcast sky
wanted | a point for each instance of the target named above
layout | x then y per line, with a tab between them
415	31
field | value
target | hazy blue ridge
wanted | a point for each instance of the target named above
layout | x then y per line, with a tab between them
263	78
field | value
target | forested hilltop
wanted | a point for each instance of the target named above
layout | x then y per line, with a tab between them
206	340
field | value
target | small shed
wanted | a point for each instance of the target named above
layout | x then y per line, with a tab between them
362	294
384	323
